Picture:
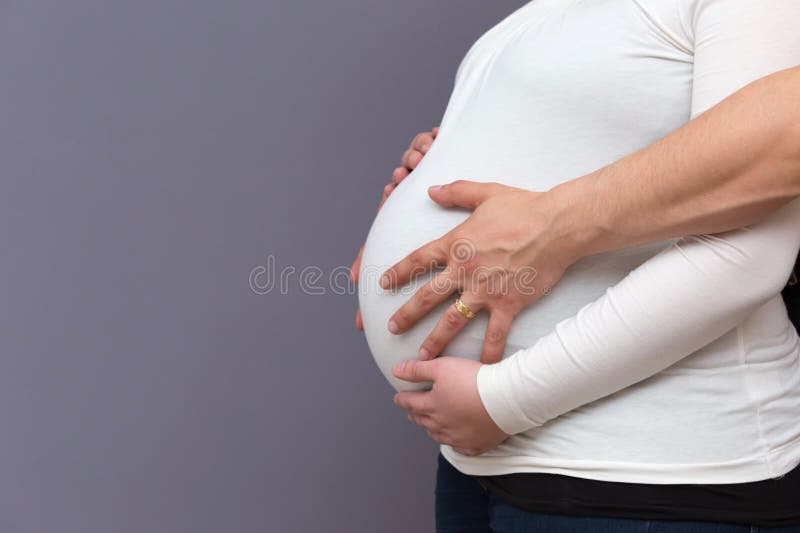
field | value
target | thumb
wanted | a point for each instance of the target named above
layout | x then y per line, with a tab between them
463	193
415	370
356	266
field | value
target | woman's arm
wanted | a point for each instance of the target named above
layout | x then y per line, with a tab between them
680	300
674	304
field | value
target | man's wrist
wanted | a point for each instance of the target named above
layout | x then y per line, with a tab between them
576	219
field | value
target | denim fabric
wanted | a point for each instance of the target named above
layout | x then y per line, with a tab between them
464	506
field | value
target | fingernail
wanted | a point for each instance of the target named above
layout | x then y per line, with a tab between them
435	187
399	367
393	327
424	354
385	281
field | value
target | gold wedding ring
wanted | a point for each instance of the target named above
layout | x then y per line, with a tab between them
462	308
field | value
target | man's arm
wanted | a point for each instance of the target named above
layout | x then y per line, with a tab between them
730	167
702	286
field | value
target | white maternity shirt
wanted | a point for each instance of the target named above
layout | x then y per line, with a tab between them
672	362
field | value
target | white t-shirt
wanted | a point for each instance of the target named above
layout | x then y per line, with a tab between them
672	362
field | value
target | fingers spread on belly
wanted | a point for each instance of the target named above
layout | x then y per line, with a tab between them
448	327
422	302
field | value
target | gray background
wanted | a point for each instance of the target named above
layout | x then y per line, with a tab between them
153	152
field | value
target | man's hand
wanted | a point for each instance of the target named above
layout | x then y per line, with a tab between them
452	411
411	157
504	257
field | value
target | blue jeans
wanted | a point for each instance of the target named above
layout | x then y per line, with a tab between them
464	506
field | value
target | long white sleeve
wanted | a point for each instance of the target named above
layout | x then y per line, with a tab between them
689	294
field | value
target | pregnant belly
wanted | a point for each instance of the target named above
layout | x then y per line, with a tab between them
408	220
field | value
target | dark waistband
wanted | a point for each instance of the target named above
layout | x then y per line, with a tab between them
767	503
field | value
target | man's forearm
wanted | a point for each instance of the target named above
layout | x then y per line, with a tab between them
727	168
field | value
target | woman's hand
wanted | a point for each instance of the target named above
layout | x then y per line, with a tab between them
505	256
411	157
452	411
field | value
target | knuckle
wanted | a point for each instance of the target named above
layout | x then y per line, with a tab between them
413	369
495	334
402	316
452	320
391	275
427	297
441	286
497	187
417	257
440	246
507	303
423	299
432	343
471	264
501	306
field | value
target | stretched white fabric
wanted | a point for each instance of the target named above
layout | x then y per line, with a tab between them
672	362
